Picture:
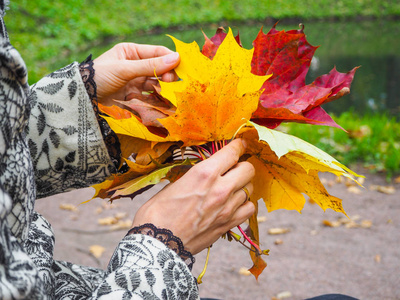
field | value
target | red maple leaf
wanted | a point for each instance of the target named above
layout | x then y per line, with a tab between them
286	98
211	45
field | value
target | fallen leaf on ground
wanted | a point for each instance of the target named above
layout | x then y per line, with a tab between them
70	207
278	242
120	215
361	180
107	221
389	189
354	190
97	250
339	179
274	231
331	224
261	219
351	224
108	205
244	271
127	224
378	258
348	222
284	295
366	224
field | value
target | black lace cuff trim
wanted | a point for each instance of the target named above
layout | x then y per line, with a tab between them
110	137
166	237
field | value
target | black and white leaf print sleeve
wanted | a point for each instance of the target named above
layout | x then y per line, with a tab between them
64	138
142	267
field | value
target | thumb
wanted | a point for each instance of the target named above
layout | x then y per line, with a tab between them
157	65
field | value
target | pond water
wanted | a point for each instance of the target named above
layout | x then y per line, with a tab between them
373	45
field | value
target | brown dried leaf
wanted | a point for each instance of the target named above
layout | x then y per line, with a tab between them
389	189
97	250
361	180
339	179
261	219
107	221
126	224
274	231
366	224
120	215
278	242
244	271
69	207
352	224
378	258
284	295
328	223
397	179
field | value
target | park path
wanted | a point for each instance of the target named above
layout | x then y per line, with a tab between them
321	252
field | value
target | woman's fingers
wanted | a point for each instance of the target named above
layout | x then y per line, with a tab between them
149	67
227	157
238	176
132	51
243	213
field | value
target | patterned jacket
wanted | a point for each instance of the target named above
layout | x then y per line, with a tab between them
50	142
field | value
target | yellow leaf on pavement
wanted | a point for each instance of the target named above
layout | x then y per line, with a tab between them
97	250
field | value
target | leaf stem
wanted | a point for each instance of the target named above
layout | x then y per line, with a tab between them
249	240
205	267
204	150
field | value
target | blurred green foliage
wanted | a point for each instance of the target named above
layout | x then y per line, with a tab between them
373	140
47	32
50	34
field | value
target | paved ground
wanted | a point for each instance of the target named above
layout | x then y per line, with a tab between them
359	258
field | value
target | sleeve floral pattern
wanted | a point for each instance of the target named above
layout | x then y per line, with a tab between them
149	270
64	139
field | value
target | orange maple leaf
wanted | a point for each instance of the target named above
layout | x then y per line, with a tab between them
215	97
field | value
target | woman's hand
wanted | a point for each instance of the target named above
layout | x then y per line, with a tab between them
130	68
206	202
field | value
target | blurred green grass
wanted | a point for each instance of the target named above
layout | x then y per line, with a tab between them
49	33
372	140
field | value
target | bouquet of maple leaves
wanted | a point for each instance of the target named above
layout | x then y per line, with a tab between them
226	91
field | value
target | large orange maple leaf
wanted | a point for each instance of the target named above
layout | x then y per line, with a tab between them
214	97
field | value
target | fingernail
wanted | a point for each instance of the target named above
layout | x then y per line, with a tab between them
170	58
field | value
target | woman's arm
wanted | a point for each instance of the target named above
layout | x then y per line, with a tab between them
63	134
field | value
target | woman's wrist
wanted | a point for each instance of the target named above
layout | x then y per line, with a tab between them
167	238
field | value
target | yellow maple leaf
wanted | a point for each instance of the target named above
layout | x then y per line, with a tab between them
215	96
287	167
